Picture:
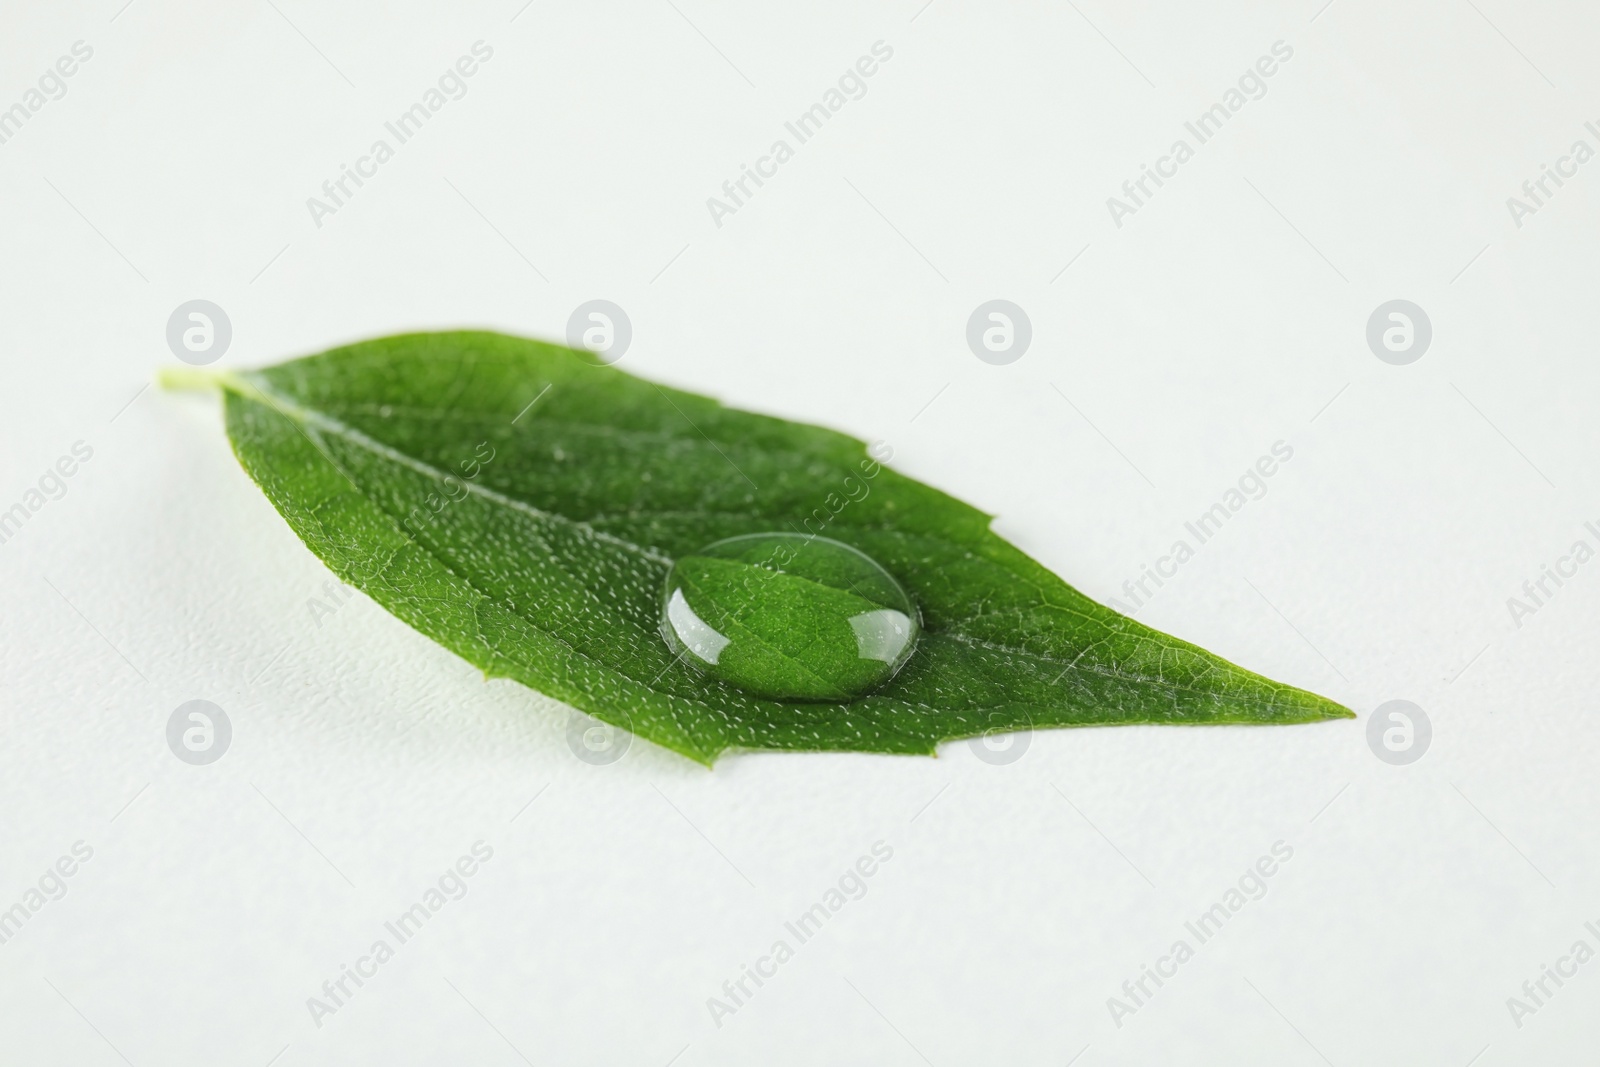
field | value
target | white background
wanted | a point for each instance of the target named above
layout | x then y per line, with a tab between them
1227	314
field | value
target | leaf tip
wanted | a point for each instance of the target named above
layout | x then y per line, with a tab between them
1326	709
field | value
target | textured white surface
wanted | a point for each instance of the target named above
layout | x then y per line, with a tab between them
1227	314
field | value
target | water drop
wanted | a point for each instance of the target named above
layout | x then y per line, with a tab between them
788	617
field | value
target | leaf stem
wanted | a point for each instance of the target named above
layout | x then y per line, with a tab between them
189	378
199	379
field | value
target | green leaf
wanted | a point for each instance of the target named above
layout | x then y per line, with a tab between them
522	505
